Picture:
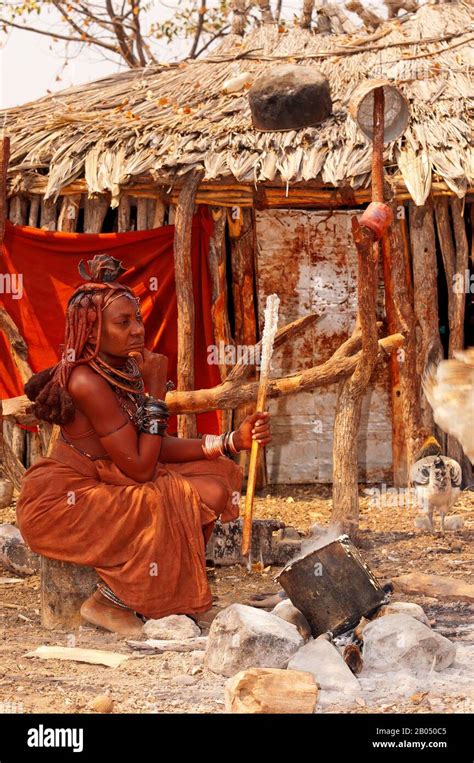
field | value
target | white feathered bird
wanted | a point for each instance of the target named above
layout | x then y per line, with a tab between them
437	481
449	389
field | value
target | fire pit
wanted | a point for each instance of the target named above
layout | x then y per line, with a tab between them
332	586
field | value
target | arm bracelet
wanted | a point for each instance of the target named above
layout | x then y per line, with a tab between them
214	445
152	416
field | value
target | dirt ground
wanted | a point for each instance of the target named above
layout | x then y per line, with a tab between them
177	683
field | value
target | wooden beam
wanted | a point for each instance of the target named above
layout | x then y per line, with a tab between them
184	294
231	393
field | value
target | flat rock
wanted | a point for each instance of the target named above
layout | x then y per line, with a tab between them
270	690
243	637
287	611
15	555
400	642
434	585
404	608
337	682
172	627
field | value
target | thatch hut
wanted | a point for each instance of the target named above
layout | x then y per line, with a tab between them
140	149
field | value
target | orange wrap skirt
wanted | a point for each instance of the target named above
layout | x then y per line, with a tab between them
145	540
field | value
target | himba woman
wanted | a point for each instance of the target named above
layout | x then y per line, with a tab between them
117	492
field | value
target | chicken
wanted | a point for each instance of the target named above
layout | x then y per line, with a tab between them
437	481
449	389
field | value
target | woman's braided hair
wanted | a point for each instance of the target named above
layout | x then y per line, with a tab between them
48	388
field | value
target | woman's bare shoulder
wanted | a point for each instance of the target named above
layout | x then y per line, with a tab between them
83	381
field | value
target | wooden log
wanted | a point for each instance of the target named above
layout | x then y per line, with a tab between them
230	394
18	210
461	263
448	253
171	214
13	466
123	214
33	448
425	294
48	214
271	690
17	344
159	210
67	220
399	450
458	296
406	395
345	513
242	243
184	295
64	587
95	211
4	159
142	214
219	311
34	211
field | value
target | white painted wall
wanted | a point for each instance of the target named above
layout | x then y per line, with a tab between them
308	258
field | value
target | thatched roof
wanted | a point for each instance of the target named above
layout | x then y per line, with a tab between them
164	120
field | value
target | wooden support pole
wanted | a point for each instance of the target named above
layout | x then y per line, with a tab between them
219	312
95	211
159	210
425	294
406	394
399	449
67	220
242	243
345	513
48	214
185	295
461	271
123	214
142	214
18	210
4	159
33	213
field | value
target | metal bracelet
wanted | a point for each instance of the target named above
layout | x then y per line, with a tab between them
152	416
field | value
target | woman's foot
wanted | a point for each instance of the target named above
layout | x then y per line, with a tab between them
98	610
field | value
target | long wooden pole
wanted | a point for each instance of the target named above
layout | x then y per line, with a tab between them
269	331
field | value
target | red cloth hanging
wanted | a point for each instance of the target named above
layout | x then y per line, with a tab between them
46	267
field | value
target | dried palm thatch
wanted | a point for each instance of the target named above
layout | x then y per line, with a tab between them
164	120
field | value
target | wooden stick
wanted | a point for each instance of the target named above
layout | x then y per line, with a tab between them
269	331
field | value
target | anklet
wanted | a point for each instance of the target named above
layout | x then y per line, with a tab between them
109	594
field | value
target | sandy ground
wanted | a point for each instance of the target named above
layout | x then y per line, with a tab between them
176	683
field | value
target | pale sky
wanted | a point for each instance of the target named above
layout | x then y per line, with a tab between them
31	64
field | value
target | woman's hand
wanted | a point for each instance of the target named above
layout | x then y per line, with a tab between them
154	368
254	427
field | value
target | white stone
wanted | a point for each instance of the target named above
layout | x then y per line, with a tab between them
287	611
337	682
243	637
172	627
404	608
400	642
